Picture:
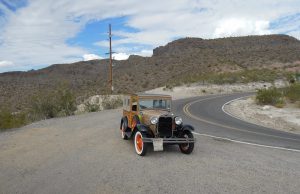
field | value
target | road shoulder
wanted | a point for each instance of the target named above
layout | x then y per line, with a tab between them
284	119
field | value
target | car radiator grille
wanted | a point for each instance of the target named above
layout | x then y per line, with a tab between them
165	126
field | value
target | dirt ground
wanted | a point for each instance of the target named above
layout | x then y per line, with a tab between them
286	119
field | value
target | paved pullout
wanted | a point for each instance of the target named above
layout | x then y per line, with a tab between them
85	154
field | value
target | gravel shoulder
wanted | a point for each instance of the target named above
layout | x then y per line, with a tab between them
85	154
285	119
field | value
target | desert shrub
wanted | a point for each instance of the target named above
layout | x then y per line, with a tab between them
244	76
60	102
170	86
66	101
111	103
145	84
11	120
293	92
43	106
89	107
260	75
271	96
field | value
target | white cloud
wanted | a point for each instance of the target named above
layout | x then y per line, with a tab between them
295	34
37	34
88	57
145	53
6	64
238	27
120	56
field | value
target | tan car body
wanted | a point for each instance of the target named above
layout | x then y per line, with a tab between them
144	115
166	128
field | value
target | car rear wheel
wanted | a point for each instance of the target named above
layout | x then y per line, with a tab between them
123	135
139	144
187	148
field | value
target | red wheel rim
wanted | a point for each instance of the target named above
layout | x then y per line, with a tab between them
139	142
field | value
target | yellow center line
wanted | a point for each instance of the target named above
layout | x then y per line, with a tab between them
189	114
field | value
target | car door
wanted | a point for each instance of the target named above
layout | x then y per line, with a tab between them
133	111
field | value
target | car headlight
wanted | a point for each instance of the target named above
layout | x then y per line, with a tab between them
154	120
178	120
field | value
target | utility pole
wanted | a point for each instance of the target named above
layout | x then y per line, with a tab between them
110	62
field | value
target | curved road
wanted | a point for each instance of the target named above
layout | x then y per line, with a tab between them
207	116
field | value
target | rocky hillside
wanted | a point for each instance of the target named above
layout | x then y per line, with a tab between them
180	58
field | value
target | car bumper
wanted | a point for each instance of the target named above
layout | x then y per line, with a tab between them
171	140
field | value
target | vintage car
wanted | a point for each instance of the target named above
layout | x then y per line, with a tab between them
147	118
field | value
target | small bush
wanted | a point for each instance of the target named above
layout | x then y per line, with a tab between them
280	103
60	102
111	103
169	87
11	120
145	84
89	107
271	96
293	92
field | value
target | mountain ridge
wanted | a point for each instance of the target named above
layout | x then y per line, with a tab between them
179	58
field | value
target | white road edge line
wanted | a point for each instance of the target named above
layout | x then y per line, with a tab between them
247	143
223	109
228	113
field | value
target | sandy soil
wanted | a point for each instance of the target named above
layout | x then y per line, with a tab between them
207	89
286	119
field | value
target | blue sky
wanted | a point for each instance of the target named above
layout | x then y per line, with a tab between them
96	30
38	33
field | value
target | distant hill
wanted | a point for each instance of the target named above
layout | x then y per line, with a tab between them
183	57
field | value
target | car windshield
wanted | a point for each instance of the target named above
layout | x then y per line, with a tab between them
154	104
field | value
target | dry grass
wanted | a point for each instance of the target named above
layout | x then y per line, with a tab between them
11	120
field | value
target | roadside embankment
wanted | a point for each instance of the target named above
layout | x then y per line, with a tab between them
199	89
285	119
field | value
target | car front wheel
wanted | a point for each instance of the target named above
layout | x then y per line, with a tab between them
139	144
123	135
187	148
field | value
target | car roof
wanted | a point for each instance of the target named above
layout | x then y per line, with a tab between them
140	94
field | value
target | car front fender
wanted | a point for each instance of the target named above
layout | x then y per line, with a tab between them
144	129
187	127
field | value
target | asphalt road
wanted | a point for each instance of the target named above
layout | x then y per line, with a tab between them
85	154
206	114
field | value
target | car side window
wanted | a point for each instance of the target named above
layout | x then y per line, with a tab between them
126	104
134	107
